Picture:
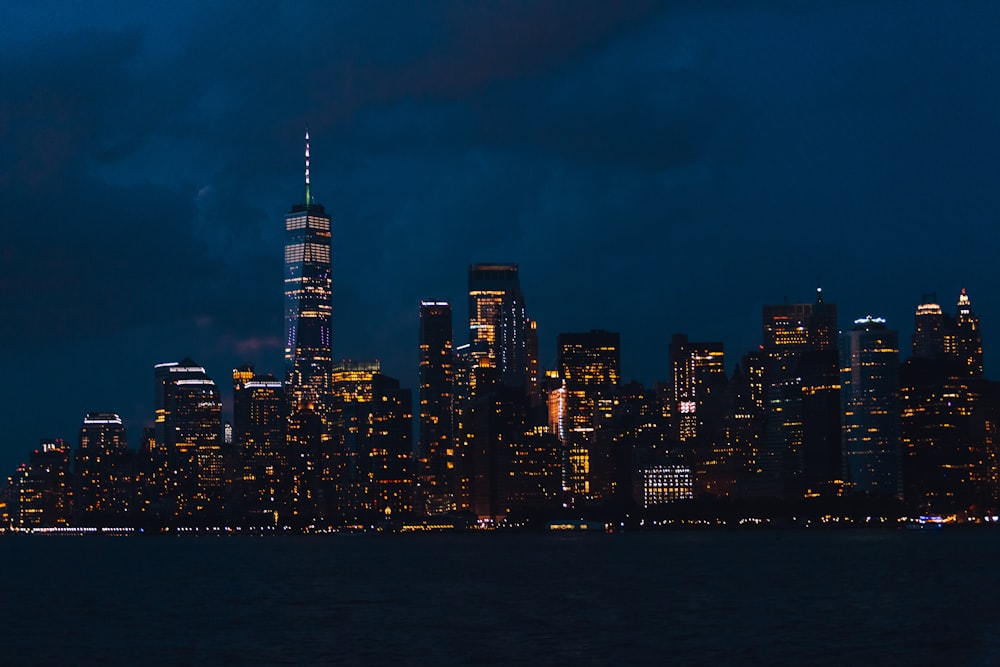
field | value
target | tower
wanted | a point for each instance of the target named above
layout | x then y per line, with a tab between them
308	303
932	333
104	469
698	375
188	432
968	337
801	384
869	397
589	364
259	421
497	319
436	453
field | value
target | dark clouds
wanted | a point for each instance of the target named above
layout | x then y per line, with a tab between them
653	168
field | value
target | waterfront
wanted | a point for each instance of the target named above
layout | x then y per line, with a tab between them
687	597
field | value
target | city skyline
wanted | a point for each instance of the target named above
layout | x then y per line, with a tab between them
156	226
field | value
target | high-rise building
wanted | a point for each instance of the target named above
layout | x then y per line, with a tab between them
259	425
353	390
933	333
188	434
801	377
589	364
869	395
436	449
743	423
45	487
104	469
630	426
949	422
535	391
497	318
698	375
698	379
387	453
308	303
968	337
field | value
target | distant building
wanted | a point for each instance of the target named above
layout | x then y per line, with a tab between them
45	487
949	413
259	432
869	394
933	332
353	392
802	402
387	453
105	471
437	458
968	338
589	364
664	484
308	303
698	379
187	452
497	318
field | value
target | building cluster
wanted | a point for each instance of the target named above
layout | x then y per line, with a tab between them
814	413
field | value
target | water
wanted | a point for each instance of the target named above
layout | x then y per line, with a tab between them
685	598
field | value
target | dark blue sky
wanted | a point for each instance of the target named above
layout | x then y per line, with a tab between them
653	168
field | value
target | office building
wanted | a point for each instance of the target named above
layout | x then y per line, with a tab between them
497	319
436	457
105	471
968	337
589	364
801	452
308	303
259	432
869	395
188	458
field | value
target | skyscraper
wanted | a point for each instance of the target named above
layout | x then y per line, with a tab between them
589	364
188	432
801	376
932	332
968	338
104	468
308	303
388	450
44	487
436	449
353	390
259	421
497	318
869	396
698	375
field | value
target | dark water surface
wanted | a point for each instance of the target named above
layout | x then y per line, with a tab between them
794	597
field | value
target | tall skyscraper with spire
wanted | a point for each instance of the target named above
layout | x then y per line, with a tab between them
308	303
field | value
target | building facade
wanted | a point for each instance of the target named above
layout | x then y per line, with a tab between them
436	453
869	394
308	303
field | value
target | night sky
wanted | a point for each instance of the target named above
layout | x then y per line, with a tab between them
652	167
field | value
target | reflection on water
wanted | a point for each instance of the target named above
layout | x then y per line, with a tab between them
713	597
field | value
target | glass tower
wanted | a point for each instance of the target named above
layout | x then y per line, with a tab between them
497	320
308	303
869	380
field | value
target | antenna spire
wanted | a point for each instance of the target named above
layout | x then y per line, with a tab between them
308	197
